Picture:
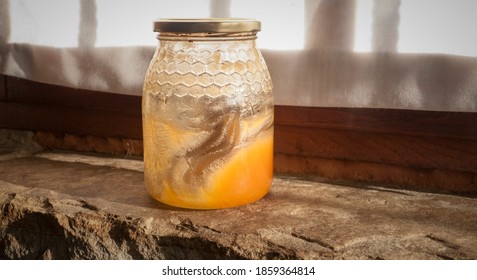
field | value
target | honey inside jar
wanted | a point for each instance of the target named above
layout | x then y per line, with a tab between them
243	177
208	117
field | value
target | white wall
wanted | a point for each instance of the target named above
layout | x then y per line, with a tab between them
410	54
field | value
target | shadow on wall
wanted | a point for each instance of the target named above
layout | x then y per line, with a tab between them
4	33
329	73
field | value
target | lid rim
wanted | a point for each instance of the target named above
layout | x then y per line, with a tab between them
206	25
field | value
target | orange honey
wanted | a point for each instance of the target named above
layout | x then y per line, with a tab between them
245	178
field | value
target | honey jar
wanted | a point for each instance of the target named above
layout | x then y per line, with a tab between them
207	110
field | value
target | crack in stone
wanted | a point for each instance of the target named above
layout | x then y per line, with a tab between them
445	257
88	206
211	229
186	225
311	240
446	243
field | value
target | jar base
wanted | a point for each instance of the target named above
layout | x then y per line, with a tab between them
245	178
208	206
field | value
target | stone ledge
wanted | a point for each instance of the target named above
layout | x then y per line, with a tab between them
71	206
67	206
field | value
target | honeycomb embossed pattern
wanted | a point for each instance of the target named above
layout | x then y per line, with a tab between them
224	69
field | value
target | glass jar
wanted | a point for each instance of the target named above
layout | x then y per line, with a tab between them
207	115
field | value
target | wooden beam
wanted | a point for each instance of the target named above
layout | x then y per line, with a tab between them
396	149
59	119
29	92
460	125
51	108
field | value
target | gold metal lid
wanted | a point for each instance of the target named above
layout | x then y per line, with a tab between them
206	25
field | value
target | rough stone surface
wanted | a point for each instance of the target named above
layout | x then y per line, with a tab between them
67	206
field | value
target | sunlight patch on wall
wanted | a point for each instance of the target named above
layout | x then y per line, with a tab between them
48	22
363	26
129	23
283	23
438	26
424	26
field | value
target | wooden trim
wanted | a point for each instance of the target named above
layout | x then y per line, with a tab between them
39	117
408	161
29	92
460	125
426	150
42	107
395	149
381	173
